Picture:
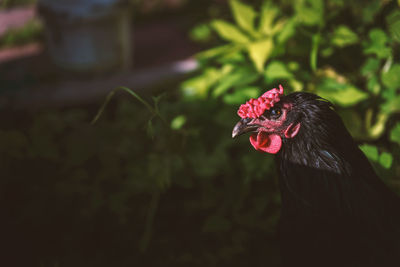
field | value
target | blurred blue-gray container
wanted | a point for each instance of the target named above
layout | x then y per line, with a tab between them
88	35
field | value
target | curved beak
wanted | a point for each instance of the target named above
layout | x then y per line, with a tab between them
242	127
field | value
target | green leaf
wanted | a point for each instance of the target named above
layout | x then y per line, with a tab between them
200	33
268	15
343	94
244	15
217	51
233	57
277	70
391	105
373	85
386	159
278	26
393	21
370	66
395	134
377	44
391	78
343	36
178	122
350	96
201	84
376	130
327	51
229	32
370	10
241	95
296	85
293	65
239	77
392	101
288	30
259	52
310	12
370	151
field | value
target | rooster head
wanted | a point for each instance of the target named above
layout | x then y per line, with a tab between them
268	120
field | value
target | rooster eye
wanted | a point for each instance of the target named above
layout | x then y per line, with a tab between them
274	113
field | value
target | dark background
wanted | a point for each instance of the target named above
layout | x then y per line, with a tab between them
164	184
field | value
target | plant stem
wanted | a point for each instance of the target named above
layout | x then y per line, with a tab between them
146	237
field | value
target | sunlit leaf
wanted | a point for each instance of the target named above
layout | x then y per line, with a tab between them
178	122
229	31
350	96
327	51
241	95
341	93
277	70
395	133
296	85
217	51
278	26
200	33
370	151
200	85
343	36
259	52
386	159
310	12
391	105
239	77
232	57
391	78
244	15
373	85
293	65
268	15
288	30
376	130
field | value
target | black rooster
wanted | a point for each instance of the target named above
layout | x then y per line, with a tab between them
335	209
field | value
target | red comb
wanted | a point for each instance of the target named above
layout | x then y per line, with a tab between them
254	108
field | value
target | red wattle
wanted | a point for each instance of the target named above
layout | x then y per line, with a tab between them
262	141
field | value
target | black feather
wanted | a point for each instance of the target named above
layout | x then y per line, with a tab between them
335	210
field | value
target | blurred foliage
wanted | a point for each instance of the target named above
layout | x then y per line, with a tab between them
30	32
325	47
16	3
159	181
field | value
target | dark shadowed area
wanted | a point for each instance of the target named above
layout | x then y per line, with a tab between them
116	121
